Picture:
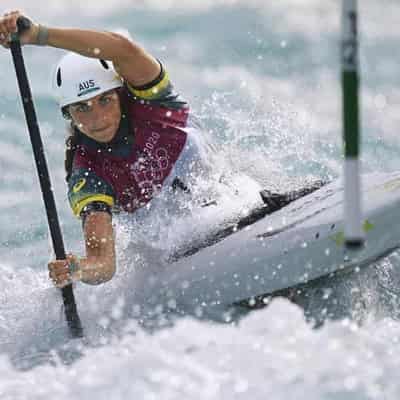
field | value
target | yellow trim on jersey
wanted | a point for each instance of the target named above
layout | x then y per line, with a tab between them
81	183
154	91
80	205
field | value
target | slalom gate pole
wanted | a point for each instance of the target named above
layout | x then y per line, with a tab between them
354	237
71	314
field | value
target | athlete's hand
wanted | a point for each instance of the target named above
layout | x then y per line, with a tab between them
64	272
8	25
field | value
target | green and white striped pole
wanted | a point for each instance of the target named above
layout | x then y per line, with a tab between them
354	237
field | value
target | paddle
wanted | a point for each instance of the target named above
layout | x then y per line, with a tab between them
72	317
354	237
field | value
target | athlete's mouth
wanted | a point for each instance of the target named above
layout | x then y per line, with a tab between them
100	129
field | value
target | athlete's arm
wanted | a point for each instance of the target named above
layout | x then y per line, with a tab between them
91	199
99	264
131	61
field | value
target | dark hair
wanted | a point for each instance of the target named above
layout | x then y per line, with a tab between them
71	145
65	113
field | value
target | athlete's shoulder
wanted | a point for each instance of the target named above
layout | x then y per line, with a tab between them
85	187
159	92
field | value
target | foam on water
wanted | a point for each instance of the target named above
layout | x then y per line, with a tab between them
263	79
272	353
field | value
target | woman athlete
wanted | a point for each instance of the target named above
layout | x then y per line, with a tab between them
129	136
131	142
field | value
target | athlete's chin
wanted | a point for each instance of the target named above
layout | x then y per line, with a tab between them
104	135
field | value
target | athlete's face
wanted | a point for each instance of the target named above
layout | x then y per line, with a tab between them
98	117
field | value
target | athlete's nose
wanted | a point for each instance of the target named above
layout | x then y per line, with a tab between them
99	116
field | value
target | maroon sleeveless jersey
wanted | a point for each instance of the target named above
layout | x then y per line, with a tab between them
127	175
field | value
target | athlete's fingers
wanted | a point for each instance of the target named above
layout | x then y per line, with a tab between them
11	22
8	23
58	267
62	272
63	277
3	34
12	26
6	38
61	266
64	281
55	275
61	280
12	13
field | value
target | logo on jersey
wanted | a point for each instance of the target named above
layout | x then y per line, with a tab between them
78	186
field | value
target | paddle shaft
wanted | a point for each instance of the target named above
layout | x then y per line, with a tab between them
350	83
71	313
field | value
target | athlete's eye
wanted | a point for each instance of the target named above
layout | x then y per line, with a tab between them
82	108
105	100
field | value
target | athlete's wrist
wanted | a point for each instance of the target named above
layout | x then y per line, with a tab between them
41	35
30	36
75	269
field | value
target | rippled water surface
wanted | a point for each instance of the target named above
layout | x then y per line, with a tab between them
263	78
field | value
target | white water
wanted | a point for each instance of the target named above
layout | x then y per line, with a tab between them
264	80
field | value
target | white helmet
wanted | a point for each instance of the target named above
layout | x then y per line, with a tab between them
78	78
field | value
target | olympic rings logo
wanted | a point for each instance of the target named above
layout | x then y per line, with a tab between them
150	169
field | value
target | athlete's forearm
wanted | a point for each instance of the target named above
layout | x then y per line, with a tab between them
96	44
100	262
130	60
96	270
89	43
